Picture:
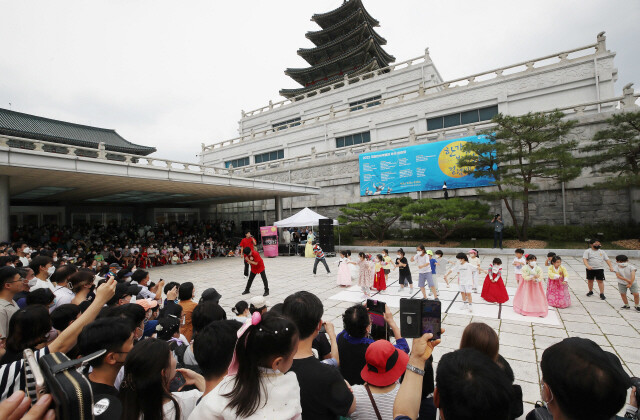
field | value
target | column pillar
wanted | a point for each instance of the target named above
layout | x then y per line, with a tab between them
5	234
278	209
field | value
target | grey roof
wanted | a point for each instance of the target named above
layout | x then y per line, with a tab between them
39	128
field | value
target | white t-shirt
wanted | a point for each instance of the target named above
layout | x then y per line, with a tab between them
24	261
465	273
42	284
63	296
422	260
518	268
187	401
281	402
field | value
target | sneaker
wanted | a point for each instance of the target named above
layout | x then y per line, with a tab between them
638	308
246	292
602	296
411	290
328	274
437	299
266	293
626	307
448	285
590	293
470	308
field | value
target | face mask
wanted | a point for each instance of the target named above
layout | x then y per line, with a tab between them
622	265
55	258
533	264
51	270
495	270
597	246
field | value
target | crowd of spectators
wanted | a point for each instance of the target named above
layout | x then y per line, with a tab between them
170	357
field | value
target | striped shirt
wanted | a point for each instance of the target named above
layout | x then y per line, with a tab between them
12	376
364	409
318	252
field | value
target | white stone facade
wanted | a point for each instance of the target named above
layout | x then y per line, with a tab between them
580	82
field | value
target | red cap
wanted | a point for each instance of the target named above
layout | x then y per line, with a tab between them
385	364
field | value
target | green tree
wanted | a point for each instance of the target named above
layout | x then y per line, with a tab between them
443	217
521	152
615	152
375	216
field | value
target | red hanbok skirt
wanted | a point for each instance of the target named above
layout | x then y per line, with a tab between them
379	282
494	292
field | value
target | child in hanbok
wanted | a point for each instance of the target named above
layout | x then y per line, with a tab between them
493	289
379	279
557	288
518	262
365	278
530	299
353	268
344	273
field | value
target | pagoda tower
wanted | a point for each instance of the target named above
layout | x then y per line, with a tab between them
346	45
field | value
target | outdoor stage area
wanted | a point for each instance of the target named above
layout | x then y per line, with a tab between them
522	339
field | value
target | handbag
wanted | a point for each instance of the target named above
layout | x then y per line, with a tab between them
70	390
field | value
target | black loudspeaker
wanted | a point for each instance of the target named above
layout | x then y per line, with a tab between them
326	235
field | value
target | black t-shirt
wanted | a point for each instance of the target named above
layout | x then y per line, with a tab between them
322	346
102	389
323	392
403	270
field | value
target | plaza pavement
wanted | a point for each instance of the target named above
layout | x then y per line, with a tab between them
522	341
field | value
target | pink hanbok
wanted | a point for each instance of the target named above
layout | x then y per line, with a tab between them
344	273
530	299
557	288
365	279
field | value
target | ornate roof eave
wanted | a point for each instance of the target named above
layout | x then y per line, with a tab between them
317	36
301	75
292	93
324	20
308	54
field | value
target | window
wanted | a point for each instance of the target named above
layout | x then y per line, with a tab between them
236	163
353	139
266	157
285	124
367	102
460	118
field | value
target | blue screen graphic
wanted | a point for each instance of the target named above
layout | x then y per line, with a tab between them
424	167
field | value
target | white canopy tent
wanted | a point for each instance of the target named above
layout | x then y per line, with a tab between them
305	217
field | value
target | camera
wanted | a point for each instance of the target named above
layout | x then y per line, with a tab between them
73	398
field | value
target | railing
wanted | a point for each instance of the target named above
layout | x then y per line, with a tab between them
102	154
627	100
419	91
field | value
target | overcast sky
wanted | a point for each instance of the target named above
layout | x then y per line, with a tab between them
174	74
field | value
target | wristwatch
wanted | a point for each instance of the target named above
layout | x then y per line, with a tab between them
415	370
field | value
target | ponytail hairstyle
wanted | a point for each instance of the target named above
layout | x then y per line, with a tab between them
379	257
421	248
555	259
348	251
343	253
401	251
259	345
362	255
531	257
145	385
240	307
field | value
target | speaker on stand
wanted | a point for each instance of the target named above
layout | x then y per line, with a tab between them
326	239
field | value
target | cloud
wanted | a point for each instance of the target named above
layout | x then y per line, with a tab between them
176	74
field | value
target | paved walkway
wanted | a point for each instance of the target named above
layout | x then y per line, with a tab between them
522	341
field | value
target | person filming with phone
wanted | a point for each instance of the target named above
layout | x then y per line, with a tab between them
356	337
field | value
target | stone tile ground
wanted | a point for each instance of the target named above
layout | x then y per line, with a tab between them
521	343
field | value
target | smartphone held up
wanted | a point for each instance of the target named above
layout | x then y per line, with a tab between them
420	316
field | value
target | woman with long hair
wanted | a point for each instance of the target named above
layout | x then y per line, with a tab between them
148	371
29	328
258	385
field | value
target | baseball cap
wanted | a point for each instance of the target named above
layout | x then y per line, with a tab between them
115	265
429	252
124	289
385	363
259	302
147	303
167	327
210	295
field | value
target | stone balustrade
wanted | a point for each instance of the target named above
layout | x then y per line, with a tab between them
419	91
101	153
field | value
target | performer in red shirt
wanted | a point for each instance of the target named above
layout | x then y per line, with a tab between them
257	267
247	242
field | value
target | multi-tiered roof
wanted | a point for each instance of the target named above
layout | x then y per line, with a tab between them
347	44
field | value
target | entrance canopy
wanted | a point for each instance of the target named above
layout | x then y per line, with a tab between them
305	217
